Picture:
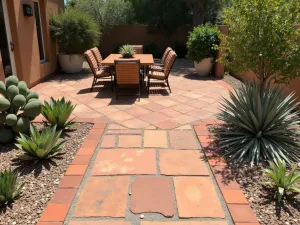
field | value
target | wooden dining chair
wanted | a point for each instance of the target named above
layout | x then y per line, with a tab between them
127	75
163	73
97	72
161	61
138	49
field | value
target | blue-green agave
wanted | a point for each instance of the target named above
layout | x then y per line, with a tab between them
40	145
260	125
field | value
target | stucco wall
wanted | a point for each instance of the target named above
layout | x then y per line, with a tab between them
24	36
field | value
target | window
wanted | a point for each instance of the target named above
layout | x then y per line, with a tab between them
39	31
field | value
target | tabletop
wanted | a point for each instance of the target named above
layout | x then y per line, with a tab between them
145	59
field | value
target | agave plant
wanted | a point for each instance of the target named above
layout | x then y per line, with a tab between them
57	112
261	125
127	51
282	181
9	188
40	145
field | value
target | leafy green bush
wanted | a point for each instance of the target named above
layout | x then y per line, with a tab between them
17	107
9	188
261	125
75	31
40	145
281	181
153	49
202	43
127	51
57	112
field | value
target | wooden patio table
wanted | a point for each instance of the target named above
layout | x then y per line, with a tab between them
145	59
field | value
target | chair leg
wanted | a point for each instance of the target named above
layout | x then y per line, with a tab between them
139	90
93	84
169	85
148	85
112	83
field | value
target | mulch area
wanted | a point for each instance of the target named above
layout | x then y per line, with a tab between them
41	178
259	196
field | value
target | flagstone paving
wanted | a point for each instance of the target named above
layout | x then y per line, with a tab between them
148	168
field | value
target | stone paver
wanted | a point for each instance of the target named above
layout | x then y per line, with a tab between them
177	162
196	197
127	161
186	223
103	197
155	139
152	195
103	222
183	140
130	141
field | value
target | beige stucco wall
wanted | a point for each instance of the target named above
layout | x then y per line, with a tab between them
24	37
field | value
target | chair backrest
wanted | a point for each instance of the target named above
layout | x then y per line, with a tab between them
138	49
170	59
167	51
127	71
97	55
91	61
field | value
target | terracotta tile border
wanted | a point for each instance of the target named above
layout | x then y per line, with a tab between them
237	204
57	208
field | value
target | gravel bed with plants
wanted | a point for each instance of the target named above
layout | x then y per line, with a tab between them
40	177
232	81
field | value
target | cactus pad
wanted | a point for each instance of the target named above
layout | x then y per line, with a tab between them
22	125
4	104
33	108
11	120
6	136
2	88
19	101
12	91
23	90
32	95
11	80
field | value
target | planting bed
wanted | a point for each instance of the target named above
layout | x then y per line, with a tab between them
260	197
41	178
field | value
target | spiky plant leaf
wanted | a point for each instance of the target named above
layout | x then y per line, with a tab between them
40	145
280	180
260	125
57	112
9	188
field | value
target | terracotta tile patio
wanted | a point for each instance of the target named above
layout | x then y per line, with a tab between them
148	167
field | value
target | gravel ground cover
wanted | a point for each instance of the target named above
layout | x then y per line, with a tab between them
232	81
41	178
259	196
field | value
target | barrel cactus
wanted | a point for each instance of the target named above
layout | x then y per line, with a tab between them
18	106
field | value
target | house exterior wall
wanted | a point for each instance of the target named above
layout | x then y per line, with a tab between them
25	40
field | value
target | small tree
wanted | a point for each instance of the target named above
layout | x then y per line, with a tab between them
262	38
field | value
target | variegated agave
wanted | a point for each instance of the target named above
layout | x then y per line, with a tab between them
9	188
57	112
40	145
261	125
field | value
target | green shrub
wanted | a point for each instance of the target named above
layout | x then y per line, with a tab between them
57	112
202	43
261	125
15	109
281	181
40	145
75	31
127	51
153	49
9	188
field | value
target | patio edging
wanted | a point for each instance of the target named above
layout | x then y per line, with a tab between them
237	204
57	208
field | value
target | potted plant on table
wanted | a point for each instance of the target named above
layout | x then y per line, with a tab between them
127	51
75	32
202	43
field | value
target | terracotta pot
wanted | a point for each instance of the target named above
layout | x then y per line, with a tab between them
204	67
71	63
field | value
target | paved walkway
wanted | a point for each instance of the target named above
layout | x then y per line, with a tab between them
148	168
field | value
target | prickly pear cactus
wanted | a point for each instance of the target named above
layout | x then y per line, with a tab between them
18	106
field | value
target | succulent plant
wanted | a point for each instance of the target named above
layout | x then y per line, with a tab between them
9	188
18	105
57	112
261	125
40	145
127	51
